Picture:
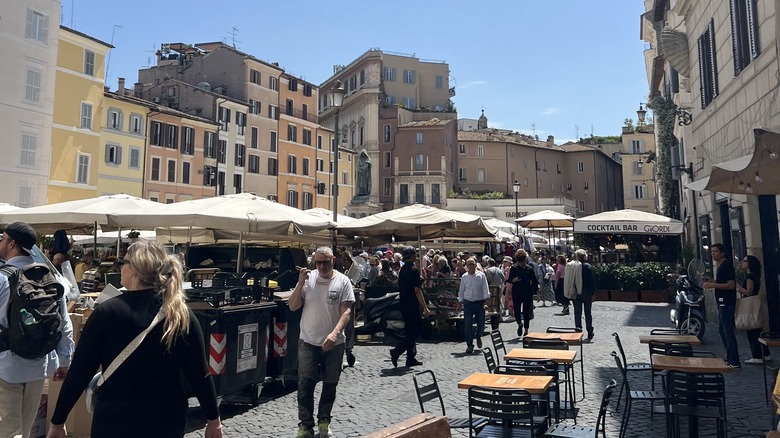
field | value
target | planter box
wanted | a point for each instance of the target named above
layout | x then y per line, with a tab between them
630	296
653	296
601	295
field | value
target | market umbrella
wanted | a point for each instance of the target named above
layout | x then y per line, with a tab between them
328	214
628	221
546	219
8	207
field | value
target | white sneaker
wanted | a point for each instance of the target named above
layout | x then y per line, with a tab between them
755	361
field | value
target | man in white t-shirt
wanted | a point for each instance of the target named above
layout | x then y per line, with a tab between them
326	297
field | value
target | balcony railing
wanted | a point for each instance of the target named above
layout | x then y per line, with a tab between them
292	112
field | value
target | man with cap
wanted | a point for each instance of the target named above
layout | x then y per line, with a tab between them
412	300
21	380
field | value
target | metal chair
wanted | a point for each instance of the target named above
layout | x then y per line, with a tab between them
498	341
672	332
430	391
554	329
509	413
489	359
566	369
695	395
553	393
632	396
561	430
630	368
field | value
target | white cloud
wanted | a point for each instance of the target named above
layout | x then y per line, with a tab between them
550	111
472	84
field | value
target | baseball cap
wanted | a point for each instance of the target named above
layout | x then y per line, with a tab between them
408	253
507	259
23	234
364	255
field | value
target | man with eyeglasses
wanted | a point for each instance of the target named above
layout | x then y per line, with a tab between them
326	297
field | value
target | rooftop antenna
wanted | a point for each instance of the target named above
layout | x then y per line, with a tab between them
72	7
108	61
533	128
577	132
233	33
149	58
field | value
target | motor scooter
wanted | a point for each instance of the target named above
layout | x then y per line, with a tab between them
382	315
688	314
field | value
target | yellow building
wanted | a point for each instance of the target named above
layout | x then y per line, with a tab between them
78	115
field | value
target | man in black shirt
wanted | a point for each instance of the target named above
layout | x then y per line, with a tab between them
412	300
725	286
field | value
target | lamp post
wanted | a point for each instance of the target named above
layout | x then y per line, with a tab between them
516	189
335	100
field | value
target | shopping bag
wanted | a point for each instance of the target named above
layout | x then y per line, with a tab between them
748	313
91	392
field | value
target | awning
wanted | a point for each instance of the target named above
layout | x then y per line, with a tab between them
627	222
673	44
755	173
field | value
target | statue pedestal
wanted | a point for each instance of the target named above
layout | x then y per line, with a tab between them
362	209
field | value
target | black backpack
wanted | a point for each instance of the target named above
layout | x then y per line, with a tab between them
34	318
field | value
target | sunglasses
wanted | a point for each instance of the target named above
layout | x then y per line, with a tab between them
322	262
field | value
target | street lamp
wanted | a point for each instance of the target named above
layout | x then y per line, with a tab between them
640	115
516	188
335	100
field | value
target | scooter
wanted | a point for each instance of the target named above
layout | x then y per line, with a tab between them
688	314
382	315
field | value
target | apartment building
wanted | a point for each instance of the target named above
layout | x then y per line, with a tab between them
79	112
374	81
638	156
27	77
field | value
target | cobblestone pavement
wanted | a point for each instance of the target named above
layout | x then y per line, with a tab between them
373	395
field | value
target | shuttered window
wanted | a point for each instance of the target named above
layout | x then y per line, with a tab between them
744	33
708	66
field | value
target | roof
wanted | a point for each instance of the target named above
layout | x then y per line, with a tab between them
492	136
86	36
426	123
158	107
218	44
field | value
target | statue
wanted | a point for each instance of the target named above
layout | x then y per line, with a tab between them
363	174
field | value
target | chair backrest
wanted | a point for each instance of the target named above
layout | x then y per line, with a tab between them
655	347
700	389
498	341
554	329
490	360
679	349
512	407
621	368
620	347
546	344
521	370
672	332
601	419
427	391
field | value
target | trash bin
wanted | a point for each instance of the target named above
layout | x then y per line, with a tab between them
236	339
283	343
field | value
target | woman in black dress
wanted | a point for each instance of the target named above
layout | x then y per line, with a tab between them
145	396
524	286
751	286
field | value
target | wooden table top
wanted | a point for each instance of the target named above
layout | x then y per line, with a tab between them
559	356
532	384
670	339
769	342
569	338
690	364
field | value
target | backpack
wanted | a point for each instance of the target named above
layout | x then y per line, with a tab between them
34	318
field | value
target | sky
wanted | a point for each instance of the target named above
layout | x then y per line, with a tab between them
566	68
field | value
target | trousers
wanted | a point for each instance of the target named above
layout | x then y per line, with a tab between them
18	407
314	364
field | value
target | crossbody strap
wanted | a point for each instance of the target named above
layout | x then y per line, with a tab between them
129	349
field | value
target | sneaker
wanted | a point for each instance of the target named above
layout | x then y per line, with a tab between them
394	358
735	366
525	333
304	432
509	319
412	363
469	350
519	331
324	429
755	361
479	343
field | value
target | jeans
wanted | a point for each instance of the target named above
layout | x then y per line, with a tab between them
757	349
313	364
524	305
412	329
727	335
584	300
559	297
472	309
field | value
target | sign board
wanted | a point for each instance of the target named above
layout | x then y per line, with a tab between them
617	227
248	338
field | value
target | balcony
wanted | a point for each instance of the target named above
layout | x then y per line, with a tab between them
292	112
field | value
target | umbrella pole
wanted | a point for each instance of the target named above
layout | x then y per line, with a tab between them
94	242
419	242
240	244
118	240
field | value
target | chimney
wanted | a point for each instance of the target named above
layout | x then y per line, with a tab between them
121	90
550	140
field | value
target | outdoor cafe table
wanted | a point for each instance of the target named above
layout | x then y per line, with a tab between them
559	356
771	343
569	338
533	384
670	339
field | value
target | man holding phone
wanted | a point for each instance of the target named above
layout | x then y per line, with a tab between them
725	286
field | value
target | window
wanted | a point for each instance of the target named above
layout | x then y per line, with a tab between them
82	169
462	174
155	176
390	100
292	164
157	133
307	90
254	76
113	154
308	200
289	107
153	198
320	163
115	119
25	197
292	198
135	158
744	33
222	152
208	145
388	159
237	183
209	176
319	142
481	175
305	166
185	173
293	84
640	191
480	151
255	106
187	140
558	168
419	162
352	136
32	91
169	200
86	116
389	73
409	76
345	177
638	167
637	146
254	164
419	138
409	102
37	26
171	170
580	167
462	149
273	83
352	86
89	63
403	194
582	206
708	66
240	151
220	183
388	184
362	77
136	124
387	133
586	186
439	81
292	133
224	118
170	139
360	134
273	112
28	149
273	141
419	193
307	137
305	111
241	122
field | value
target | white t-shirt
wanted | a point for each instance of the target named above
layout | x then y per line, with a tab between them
322	300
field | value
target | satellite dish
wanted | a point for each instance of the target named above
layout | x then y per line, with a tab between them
204	86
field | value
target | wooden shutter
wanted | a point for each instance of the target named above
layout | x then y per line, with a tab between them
702	76
736	36
713	59
752	25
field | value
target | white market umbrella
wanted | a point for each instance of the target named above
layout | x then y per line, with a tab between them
628	221
4	207
546	219
328	214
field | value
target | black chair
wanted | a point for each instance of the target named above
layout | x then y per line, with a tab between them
772	370
509	413
561	430
672	332
630	368
695	396
498	341
554	329
430	391
634	396
489	359
566	369
655	347
552	397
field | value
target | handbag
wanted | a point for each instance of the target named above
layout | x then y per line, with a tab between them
91	393
748	313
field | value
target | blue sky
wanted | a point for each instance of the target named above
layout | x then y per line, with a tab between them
548	65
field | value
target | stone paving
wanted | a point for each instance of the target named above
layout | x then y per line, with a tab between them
373	395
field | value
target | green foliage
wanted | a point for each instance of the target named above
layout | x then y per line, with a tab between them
629	123
653	275
468	194
606	276
665	119
599	139
617	276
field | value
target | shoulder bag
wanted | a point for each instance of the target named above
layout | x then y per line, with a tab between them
748	313
102	376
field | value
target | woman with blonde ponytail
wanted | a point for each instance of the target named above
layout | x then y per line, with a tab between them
144	397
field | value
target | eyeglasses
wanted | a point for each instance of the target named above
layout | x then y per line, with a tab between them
322	262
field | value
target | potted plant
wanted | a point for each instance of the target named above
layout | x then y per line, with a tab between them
653	282
606	281
629	282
